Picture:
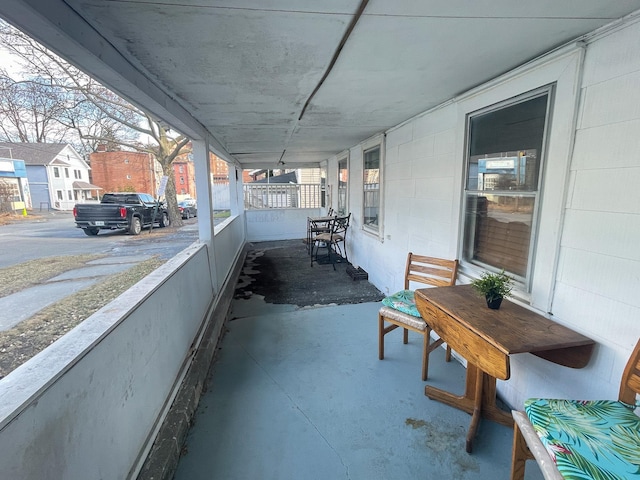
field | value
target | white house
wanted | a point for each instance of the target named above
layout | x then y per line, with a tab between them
58	175
501	133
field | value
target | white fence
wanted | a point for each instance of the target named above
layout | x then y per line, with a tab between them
282	195
221	193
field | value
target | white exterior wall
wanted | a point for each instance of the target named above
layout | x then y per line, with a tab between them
585	270
597	282
59	184
68	159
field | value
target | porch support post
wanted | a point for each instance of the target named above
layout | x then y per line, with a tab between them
205	204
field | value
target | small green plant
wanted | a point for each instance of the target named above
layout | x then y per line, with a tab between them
493	285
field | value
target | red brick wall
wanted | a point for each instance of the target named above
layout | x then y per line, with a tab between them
185	178
220	170
123	171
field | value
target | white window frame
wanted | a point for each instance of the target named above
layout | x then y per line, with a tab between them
523	284
343	158
365	147
56	172
563	70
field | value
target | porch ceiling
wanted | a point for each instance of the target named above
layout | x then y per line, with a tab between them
244	69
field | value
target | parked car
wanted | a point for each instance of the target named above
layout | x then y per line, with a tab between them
130	211
188	209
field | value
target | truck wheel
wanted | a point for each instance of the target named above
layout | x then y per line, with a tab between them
164	220
135	227
92	232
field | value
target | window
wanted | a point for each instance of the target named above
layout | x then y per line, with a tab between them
77	174
128	177
502	192
56	172
59	194
126	160
181	180
180	169
66	172
70	194
323	187
343	182
9	190
372	179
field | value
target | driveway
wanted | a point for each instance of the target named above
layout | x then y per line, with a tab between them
55	233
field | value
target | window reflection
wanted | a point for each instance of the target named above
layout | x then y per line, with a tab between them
372	187
502	185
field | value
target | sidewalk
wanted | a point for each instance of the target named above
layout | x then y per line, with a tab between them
24	304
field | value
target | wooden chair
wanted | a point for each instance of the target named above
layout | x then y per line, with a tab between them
581	439
400	311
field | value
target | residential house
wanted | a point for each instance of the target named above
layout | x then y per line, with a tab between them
461	126
58	175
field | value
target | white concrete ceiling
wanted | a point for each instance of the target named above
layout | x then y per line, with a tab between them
244	69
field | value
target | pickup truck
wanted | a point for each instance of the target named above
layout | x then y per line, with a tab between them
130	211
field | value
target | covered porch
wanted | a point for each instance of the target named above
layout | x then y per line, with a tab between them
297	390
388	99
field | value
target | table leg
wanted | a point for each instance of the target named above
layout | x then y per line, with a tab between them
463	402
490	410
479	396
477	410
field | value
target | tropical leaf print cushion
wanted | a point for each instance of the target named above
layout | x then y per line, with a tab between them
404	301
596	439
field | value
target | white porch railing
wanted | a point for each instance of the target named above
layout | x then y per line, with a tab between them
90	404
282	195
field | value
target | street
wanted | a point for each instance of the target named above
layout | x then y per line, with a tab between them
55	233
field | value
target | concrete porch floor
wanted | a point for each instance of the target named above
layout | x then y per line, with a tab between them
299	393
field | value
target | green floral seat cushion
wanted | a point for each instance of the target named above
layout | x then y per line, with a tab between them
403	301
588	439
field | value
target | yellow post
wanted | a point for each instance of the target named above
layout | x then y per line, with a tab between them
24	212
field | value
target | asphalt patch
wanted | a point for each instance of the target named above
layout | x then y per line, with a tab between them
281	272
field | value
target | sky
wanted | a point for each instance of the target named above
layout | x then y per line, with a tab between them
8	62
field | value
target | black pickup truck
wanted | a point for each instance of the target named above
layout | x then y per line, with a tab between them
130	211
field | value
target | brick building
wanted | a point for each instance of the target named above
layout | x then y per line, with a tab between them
185	177
121	171
220	171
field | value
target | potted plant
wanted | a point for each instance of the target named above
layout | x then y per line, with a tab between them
494	287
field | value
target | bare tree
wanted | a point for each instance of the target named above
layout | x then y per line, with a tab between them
29	111
56	101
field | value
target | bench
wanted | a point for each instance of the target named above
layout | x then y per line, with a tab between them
592	439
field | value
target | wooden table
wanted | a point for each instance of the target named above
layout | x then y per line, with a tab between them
486	338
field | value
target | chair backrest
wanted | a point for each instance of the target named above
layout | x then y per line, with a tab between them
340	225
630	383
438	272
